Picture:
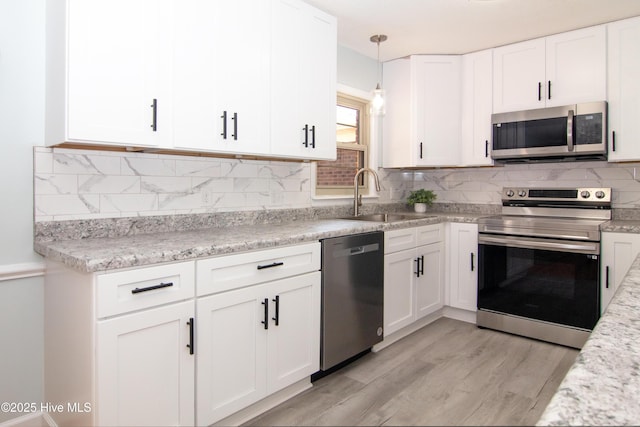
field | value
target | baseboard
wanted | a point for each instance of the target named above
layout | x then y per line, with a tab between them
459	314
35	419
407	330
265	404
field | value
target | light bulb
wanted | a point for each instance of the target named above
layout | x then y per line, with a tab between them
377	103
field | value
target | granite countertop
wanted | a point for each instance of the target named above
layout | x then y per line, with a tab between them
621	226
603	386
108	253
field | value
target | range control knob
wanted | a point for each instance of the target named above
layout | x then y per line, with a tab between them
585	194
600	194
510	193
522	193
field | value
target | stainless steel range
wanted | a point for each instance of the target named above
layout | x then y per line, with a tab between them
539	263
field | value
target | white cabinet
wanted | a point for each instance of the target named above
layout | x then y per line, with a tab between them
477	78
254	77
110	82
258	330
422	124
122	343
221	63
144	368
563	69
462	251
619	250
413	275
303	81
624	89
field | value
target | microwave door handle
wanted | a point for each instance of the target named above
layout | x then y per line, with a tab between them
570	130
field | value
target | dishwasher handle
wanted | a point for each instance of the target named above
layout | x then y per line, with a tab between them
356	250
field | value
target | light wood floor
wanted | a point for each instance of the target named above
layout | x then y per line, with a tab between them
448	373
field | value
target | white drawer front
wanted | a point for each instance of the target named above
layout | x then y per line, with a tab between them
399	240
145	287
236	271
430	234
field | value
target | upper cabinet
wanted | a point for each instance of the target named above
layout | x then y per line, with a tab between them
422	123
557	70
624	89
303	81
221	54
477	72
253	77
109	81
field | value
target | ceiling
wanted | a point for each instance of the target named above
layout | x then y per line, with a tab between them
462	26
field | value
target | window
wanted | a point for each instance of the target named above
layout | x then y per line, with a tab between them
352	140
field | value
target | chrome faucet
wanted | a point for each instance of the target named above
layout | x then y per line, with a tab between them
357	198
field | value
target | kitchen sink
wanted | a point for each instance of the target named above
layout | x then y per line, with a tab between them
383	217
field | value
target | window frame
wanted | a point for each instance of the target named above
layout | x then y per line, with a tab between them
364	138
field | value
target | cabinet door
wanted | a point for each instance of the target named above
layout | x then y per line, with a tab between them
303	81
399	304
231	353
221	57
436	82
477	106
145	372
463	271
117	66
619	250
576	67
430	284
294	330
624	89
398	148
519	76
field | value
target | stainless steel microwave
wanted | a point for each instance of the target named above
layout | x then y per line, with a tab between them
570	132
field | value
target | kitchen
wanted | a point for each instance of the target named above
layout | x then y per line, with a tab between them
22	297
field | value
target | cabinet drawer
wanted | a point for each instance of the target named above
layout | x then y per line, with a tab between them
235	271
131	290
429	234
398	240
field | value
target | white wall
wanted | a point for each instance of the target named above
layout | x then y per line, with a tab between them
21	127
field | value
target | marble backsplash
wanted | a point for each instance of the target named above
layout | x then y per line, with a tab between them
72	184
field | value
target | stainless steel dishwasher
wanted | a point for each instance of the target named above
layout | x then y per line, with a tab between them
352	296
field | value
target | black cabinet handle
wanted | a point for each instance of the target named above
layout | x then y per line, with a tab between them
151	288
224	125
265	322
422	265
486	148
549	89
306	136
235	126
472	263
417	272
539	91
606	275
154	122
313	136
191	344
613	140
277	301
421	150
275	264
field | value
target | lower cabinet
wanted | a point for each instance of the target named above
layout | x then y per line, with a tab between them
151	346
255	341
618	250
413	275
146	354
462	255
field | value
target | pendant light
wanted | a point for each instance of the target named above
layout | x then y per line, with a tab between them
377	103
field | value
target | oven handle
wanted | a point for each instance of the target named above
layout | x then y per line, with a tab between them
546	244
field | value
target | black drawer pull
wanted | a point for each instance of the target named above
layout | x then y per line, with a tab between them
306	136
472	263
224	125
277	318
613	140
275	264
154	122
152	288
606	280
265	322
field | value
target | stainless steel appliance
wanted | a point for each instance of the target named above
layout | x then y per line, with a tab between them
539	263
352	296
570	132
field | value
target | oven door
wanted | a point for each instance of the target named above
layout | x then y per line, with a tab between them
554	281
